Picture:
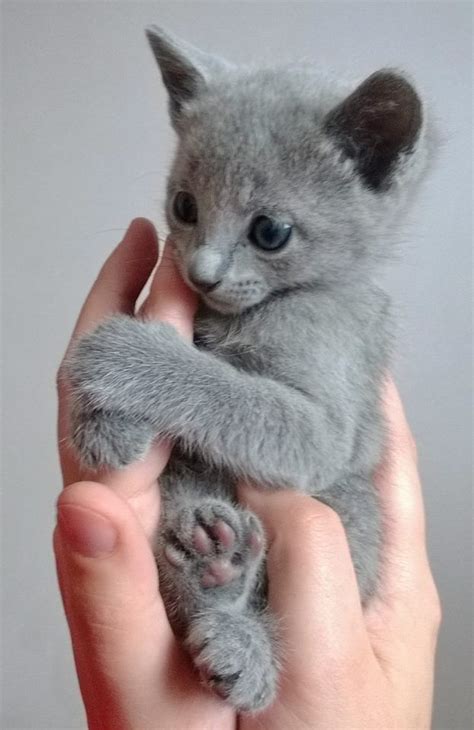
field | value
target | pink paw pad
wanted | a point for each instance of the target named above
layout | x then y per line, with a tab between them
216	546
255	542
201	540
223	533
220	573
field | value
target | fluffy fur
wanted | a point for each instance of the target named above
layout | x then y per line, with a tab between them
281	386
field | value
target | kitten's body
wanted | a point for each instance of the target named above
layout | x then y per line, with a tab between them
292	345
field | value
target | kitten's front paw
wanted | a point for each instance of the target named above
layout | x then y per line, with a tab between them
235	658
109	439
118	365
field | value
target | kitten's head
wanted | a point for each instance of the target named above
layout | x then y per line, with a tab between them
282	178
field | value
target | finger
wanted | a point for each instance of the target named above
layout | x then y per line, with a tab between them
398	482
136	483
109	581
170	300
406	605
312	588
116	289
124	649
404	616
122	277
80	651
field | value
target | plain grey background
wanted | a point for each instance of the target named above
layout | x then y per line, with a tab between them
86	147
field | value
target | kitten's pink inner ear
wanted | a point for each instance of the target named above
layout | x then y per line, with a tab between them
375	124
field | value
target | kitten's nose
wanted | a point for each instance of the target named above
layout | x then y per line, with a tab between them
205	284
205	269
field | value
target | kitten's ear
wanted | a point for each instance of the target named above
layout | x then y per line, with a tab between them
377	124
185	69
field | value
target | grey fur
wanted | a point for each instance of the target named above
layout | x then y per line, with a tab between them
281	386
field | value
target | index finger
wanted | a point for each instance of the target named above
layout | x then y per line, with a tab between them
169	299
116	289
122	277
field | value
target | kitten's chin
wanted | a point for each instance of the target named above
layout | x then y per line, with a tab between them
218	304
221	306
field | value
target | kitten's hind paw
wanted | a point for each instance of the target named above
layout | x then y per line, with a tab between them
109	439
234	656
217	548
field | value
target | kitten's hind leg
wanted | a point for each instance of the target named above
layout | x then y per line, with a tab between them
355	500
235	655
210	559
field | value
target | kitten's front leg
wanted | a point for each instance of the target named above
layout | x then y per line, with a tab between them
116	435
258	428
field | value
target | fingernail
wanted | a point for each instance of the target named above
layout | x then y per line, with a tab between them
86	532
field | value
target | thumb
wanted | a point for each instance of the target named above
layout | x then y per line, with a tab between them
131	671
118	625
312	588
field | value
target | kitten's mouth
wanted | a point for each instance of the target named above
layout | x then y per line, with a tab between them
215	299
220	305
212	299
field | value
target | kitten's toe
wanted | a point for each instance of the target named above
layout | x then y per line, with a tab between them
109	439
234	657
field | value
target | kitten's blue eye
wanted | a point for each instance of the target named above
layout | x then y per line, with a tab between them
185	207
269	234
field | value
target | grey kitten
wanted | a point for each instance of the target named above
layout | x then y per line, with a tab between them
282	199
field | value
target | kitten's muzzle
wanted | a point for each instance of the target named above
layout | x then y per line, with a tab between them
205	269
205	285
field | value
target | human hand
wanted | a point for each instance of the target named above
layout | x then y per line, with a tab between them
343	668
347	668
131	671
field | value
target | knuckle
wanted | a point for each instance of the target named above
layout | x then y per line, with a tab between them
316	520
435	609
432	613
413	447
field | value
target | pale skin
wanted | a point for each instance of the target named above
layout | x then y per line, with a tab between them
343	668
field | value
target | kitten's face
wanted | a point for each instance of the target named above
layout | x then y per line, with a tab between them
254	210
240	232
233	247
281	179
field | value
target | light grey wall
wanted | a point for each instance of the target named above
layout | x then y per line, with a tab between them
86	148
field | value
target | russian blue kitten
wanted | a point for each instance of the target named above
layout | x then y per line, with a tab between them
282	200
